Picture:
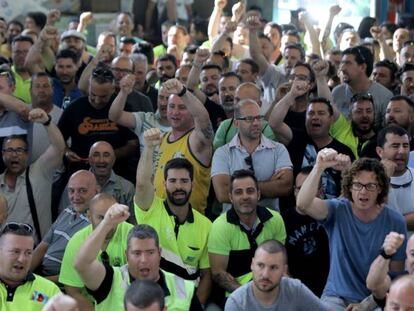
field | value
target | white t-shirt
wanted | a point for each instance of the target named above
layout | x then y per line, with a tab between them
181	10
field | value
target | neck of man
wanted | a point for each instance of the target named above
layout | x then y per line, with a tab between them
102	180
369	214
46	106
266	298
24	74
12	284
178	133
248	219
179	211
275	55
322	141
365	135
229	114
249	144
360	85
398	173
301	103
11	178
67	87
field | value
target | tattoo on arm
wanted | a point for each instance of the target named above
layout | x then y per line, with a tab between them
226	281
208	131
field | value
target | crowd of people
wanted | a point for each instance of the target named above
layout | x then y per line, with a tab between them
239	164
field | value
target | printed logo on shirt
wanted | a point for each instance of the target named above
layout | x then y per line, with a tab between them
96	125
40	297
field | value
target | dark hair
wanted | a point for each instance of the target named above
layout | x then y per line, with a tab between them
309	67
127	40
362	56
21	38
296	46
168	58
364	27
231	74
200	25
39	18
273	247
191	49
334	52
255	8
393	68
404	68
145	48
16	22
40	74
21	229
143	293
322	100
66	53
261	35
253	65
11	80
293	33
167	23
368	165
22	138
391	27
391	129
339	29
288	27
102	74
275	26
143	232
211	66
179	163
240	174
230	41
407	99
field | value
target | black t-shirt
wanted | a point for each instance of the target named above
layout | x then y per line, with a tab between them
307	247
215	112
86	125
296	120
152	93
300	143
137	101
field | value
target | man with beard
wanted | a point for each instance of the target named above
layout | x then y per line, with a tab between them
208	74
165	68
407	53
303	145
227	130
270	287
20	48
65	88
356	68
174	214
248	150
385	73
393	147
42	97
358	132
14	28
400	111
112	250
235	234
407	80
101	160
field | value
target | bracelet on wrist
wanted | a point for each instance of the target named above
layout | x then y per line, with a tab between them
384	255
49	119
182	92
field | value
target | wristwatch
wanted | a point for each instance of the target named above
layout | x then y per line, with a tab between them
49	119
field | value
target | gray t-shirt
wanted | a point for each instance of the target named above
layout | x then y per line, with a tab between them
293	295
342	94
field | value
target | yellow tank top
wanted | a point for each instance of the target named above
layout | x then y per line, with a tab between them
181	149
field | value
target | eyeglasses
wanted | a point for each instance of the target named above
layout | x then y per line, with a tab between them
362	96
249	162
121	70
250	119
357	186
16	226
104	73
18	151
406	185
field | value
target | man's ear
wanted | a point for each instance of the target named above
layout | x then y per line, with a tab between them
379	151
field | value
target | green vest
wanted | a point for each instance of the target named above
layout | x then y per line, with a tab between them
179	298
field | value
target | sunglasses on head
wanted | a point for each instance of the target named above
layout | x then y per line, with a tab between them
16	226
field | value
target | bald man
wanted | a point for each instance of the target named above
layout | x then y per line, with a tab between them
401	295
101	160
47	256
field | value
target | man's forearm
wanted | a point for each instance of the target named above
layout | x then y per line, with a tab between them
118	105
204	287
280	111
281	186
226	281
56	138
377	274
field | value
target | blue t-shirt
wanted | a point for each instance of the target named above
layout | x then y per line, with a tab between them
354	245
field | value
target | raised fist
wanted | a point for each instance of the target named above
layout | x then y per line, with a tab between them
393	242
321	68
173	86
53	16
38	115
127	83
220	3
254	23
334	10
201	55
116	214
86	18
152	137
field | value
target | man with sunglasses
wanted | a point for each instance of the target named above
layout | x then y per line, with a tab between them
393	147
20	289
250	149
